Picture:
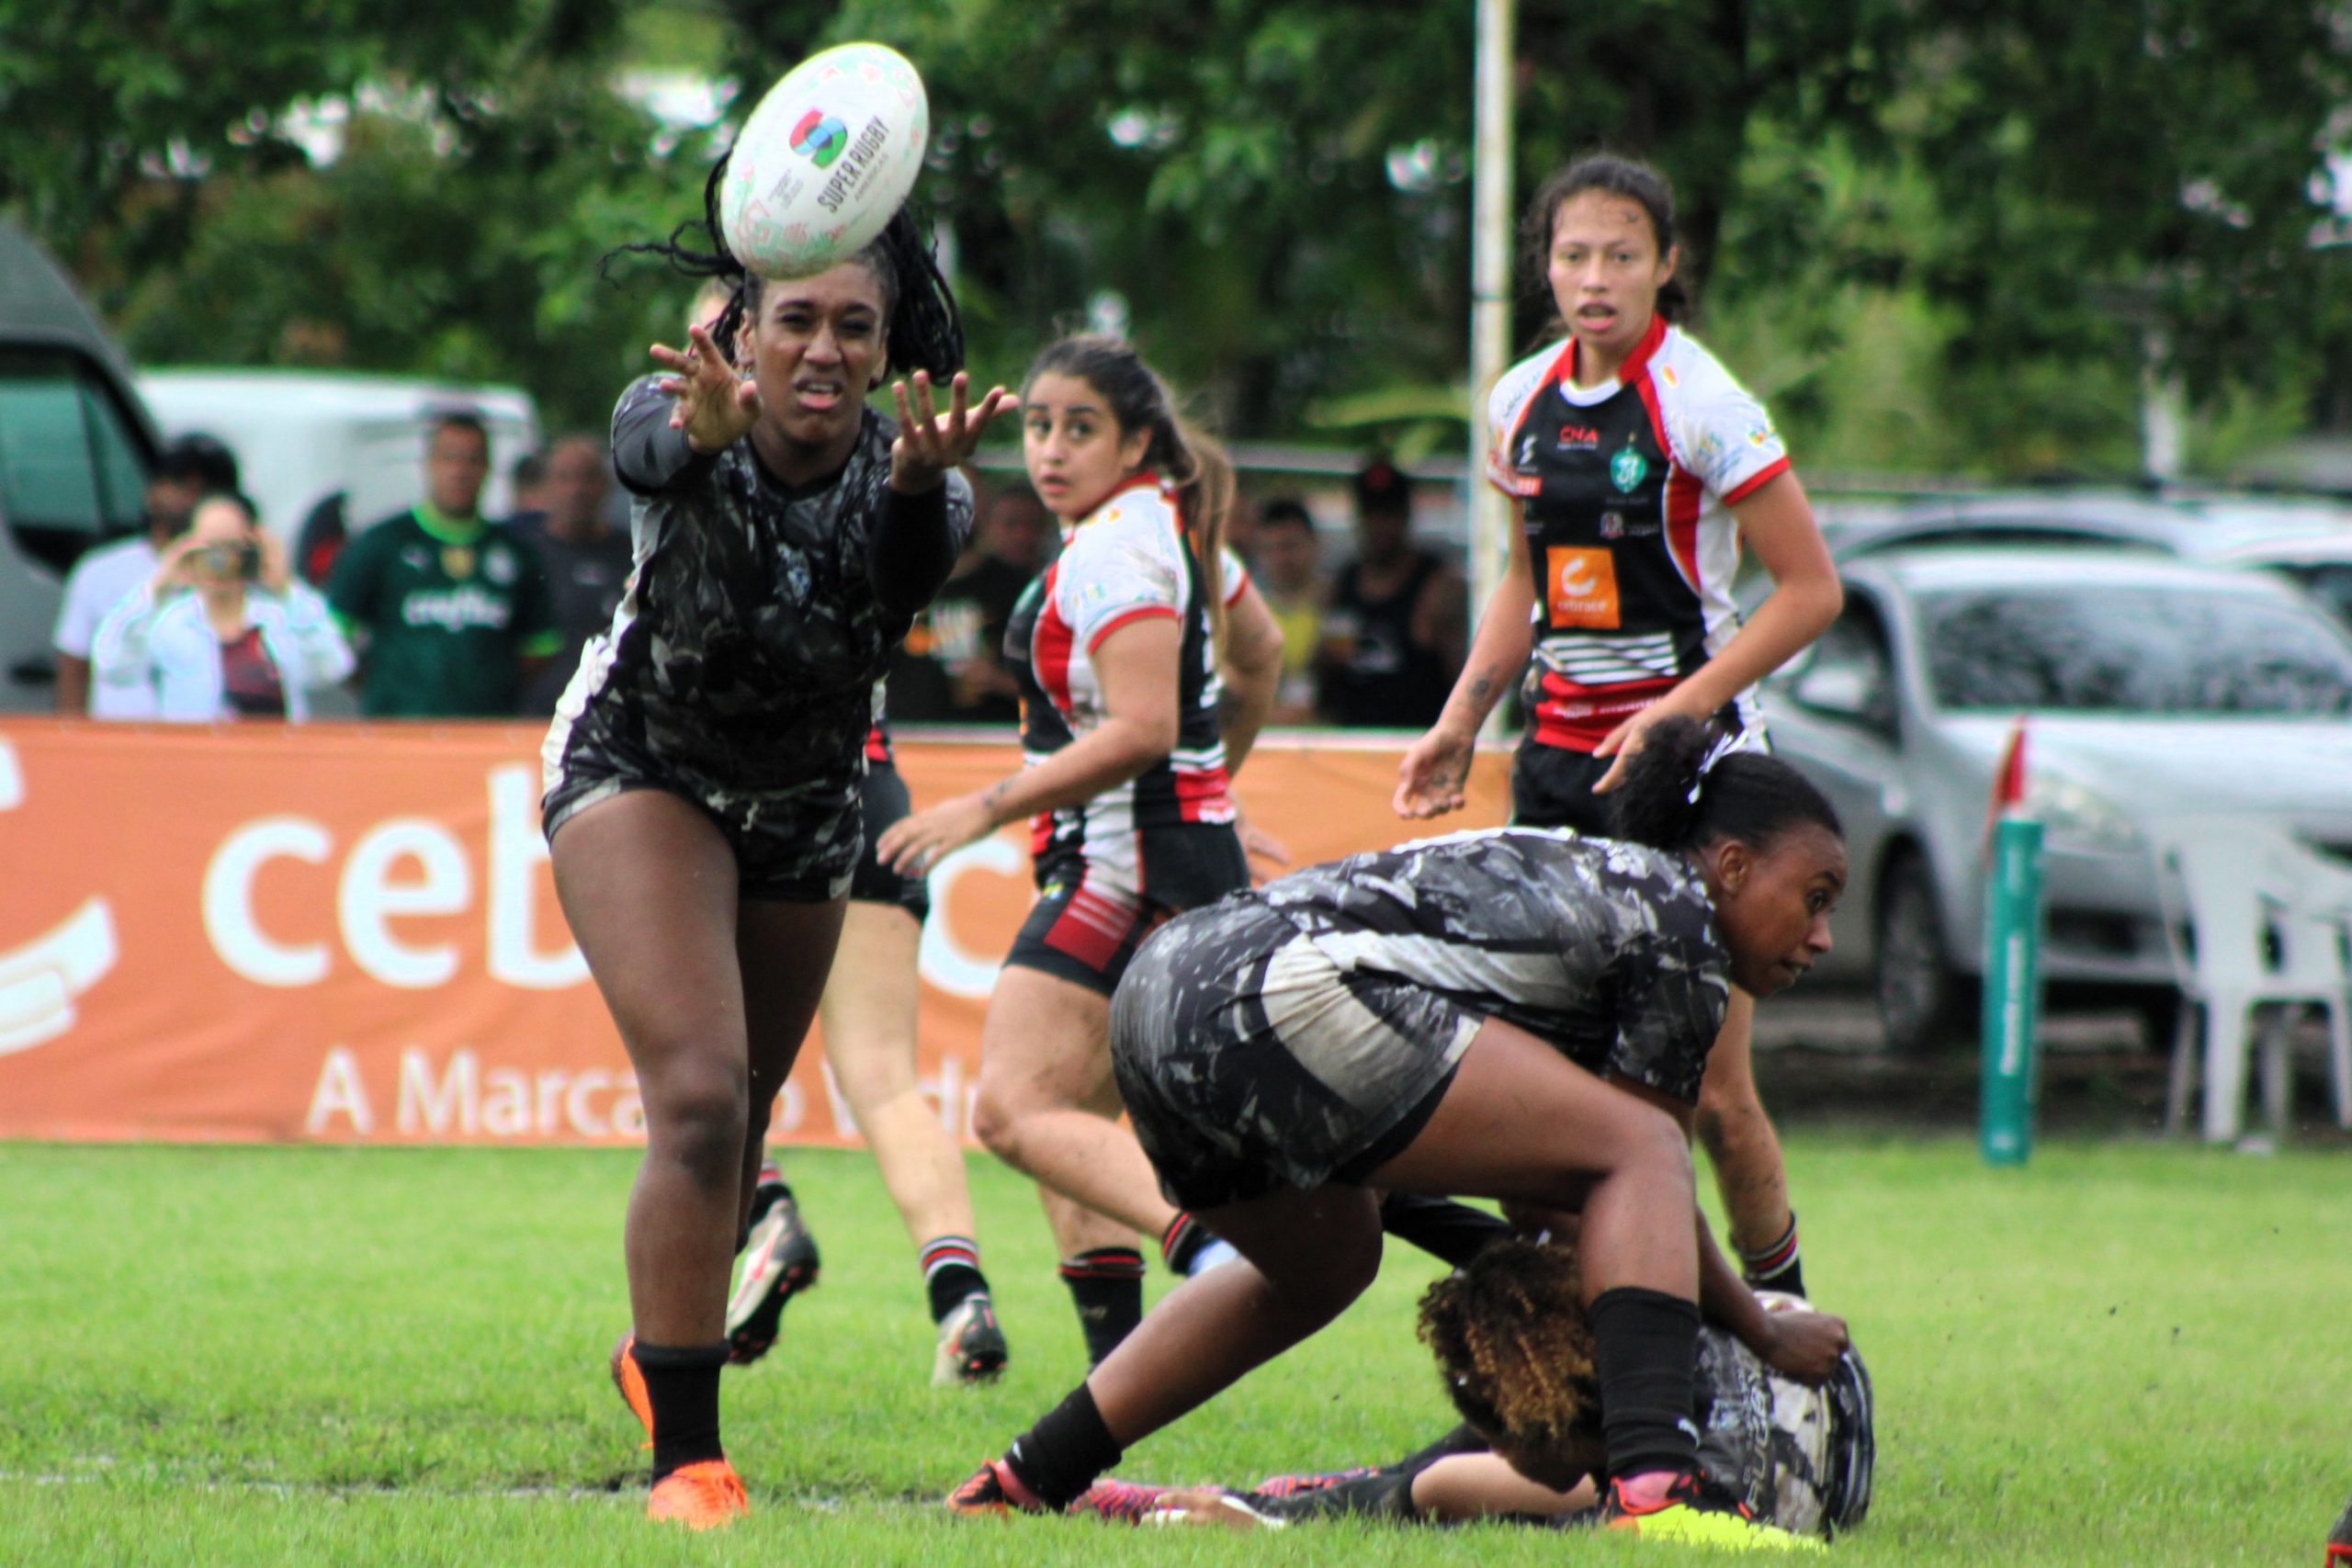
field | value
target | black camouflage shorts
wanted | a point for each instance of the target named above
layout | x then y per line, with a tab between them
1250	1060
797	844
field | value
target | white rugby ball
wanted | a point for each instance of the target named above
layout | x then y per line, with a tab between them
825	161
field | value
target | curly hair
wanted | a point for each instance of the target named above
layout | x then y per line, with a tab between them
1512	1342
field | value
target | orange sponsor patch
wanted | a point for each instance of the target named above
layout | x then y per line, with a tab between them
1581	585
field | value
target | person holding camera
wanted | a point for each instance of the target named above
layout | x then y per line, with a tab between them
223	631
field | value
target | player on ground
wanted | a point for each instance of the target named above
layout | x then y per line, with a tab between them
703	768
1517	1014
1516	1357
1151	663
1636	468
868	1013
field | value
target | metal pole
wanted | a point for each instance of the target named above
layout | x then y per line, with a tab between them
1490	226
2012	992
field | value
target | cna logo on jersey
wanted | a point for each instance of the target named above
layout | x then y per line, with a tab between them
1582	586
1580	438
819	137
39	980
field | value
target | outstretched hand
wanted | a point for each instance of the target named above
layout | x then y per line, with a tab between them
715	406
931	443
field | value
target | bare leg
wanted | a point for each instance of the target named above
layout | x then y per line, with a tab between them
1739	1135
1078	1228
786	952
1044	1070
869	1014
649	888
1519	1122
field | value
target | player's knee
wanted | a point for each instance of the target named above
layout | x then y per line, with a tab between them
700	1119
1652	1146
996	1122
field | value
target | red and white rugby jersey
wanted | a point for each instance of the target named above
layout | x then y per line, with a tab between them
1627	488
1130	561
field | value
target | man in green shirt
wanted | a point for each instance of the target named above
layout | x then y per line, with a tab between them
452	613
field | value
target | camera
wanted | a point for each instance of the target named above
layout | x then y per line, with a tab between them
219	561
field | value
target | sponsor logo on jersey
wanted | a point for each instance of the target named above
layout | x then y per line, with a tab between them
1762	434
1527	451
498	565
1613	524
457	562
458	610
1627	468
818	138
1578	438
1617	525
1582	586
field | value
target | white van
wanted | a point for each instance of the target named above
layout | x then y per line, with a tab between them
302	435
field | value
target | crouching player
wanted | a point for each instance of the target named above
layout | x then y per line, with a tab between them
1515	1355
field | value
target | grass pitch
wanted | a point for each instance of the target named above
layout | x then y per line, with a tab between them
2124	1353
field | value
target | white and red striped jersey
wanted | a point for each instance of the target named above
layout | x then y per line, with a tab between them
1130	560
1627	488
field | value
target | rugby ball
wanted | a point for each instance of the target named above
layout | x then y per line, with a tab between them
824	162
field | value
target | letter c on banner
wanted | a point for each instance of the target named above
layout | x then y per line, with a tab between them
941	959
229	901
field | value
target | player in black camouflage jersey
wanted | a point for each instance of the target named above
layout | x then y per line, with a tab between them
702	772
1518	1014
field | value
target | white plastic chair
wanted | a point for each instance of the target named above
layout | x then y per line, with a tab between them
2255	921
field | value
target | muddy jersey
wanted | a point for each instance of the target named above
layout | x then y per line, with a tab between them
1607	950
1129	561
745	653
1627	488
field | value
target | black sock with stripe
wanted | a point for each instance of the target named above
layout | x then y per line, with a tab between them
1106	1285
951	1273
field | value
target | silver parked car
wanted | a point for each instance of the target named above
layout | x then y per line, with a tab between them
2151	687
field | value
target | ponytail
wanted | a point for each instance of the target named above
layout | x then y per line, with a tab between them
1687	787
1205	499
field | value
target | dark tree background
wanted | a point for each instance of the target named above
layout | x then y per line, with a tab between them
1938	233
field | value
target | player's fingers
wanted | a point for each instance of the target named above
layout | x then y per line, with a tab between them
926	410
959	403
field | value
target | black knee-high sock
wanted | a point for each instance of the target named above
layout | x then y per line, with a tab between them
682	1382
1647	1343
1061	1455
1106	1285
1442	1227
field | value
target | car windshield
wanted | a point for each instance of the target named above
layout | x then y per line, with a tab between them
2133	649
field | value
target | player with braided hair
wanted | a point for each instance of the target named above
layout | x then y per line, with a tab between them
702	772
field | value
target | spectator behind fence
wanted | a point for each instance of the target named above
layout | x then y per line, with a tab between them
1393	634
586	558
222	629
1289	572
450	612
185	470
953	669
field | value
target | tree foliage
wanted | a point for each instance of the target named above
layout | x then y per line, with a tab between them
1947	230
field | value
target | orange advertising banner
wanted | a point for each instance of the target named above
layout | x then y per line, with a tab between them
348	933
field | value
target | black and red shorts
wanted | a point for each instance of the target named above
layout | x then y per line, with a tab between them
1083	928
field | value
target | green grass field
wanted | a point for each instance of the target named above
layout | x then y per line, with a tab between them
2125	1352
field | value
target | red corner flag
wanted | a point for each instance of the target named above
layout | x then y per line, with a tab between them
2009	781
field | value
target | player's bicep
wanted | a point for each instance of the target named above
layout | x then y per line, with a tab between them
1136	661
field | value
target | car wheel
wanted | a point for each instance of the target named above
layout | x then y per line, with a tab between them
1922	1002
